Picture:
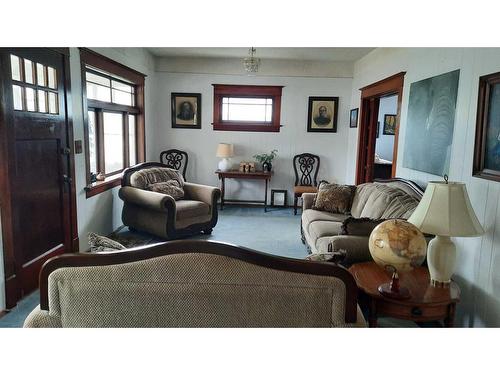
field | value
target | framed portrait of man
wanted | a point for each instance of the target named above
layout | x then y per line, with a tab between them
186	110
322	114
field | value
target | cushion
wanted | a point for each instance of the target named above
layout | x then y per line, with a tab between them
360	226
378	201
309	216
334	198
100	243
318	229
186	209
171	187
299	190
143	178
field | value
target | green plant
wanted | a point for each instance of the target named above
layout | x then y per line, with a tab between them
266	158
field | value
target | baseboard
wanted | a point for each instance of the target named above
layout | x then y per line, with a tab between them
252	205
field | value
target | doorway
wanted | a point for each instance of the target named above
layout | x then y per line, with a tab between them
379	129
37	189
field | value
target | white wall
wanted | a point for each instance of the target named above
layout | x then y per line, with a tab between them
478	258
384	146
292	138
101	213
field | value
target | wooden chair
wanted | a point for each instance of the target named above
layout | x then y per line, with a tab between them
175	159
306	167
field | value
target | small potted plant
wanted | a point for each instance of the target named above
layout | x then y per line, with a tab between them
266	160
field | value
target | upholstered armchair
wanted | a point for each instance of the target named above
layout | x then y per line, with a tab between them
160	214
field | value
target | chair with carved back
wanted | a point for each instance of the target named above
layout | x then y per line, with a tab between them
306	167
175	159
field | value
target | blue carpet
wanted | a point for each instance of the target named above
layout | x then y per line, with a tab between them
15	318
276	232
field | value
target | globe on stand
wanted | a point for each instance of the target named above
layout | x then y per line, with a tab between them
398	244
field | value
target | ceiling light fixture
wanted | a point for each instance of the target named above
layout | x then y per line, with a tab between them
251	63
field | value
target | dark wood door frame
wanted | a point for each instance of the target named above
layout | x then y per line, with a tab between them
367	137
13	271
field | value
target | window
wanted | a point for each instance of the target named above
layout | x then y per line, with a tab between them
114	119
247	108
34	86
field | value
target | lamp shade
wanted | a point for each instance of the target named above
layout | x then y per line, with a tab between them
445	210
225	150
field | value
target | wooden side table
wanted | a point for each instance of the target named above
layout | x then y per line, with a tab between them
427	303
258	175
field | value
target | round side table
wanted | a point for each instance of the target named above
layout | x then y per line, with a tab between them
426	302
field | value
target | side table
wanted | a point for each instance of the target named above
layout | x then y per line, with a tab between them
427	303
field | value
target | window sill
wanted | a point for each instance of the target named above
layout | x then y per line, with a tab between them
248	127
102	186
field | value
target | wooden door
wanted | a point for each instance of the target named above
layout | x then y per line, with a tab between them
38	202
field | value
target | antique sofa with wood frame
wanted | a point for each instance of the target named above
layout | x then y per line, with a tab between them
160	214
324	232
193	284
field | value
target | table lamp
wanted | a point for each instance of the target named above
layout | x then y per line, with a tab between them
225	151
445	211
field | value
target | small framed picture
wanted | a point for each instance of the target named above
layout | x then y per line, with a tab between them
389	125
186	111
322	114
378	129
354	118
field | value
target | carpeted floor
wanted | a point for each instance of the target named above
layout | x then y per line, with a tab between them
276	232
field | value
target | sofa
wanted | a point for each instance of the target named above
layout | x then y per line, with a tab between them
193	284
324	232
160	214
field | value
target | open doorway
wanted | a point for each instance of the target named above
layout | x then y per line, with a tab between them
379	129
386	131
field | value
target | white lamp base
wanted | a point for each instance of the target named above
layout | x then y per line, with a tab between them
224	165
441	259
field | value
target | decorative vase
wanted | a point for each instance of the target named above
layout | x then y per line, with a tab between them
267	166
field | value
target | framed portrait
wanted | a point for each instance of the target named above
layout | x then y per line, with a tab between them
353	123
186	111
487	143
389	125
322	114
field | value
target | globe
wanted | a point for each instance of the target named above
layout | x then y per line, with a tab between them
397	243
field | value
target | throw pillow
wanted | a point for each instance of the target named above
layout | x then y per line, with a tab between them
100	243
362	226
171	187
334	198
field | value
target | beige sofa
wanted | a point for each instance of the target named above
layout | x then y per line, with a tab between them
323	231
193	284
160	214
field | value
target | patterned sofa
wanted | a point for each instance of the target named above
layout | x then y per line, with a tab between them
324	232
193	284
161	214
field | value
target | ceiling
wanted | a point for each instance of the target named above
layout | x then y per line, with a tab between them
286	53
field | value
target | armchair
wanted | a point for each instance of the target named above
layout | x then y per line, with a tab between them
160	214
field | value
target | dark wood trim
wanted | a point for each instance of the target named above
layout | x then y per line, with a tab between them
247	91
105	63
96	104
102	186
370	98
108	65
205	247
482	117
71	145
